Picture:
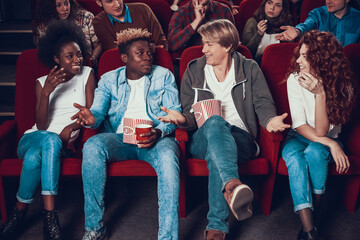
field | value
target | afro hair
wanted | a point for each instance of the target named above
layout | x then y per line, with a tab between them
57	34
126	37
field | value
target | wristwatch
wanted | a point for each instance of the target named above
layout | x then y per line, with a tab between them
174	7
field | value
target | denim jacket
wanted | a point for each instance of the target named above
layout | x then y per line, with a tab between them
113	92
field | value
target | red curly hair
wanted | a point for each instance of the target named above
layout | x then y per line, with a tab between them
328	63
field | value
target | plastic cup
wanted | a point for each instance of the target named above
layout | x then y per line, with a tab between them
140	129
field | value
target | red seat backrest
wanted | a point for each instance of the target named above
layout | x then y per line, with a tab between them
352	51
275	65
28	70
110	60
309	5
246	10
194	52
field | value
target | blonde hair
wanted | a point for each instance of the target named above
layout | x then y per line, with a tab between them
125	38
221	31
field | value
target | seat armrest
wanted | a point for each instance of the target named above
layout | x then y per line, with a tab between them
181	135
353	143
270	145
8	139
88	133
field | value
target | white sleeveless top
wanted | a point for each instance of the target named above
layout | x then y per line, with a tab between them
61	102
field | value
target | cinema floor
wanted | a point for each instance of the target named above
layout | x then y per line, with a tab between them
131	212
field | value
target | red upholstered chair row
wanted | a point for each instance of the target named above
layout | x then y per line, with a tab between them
275	64
264	165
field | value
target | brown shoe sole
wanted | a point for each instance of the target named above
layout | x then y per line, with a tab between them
240	204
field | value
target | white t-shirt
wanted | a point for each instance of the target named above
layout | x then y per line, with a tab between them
302	107
61	102
136	107
222	91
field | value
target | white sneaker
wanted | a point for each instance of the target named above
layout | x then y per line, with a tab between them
95	235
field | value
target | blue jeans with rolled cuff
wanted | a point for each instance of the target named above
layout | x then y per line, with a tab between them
41	152
307	164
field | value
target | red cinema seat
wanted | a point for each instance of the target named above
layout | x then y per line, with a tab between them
309	5
275	64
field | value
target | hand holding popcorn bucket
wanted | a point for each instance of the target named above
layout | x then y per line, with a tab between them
205	109
132	128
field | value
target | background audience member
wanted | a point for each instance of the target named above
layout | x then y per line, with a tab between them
185	22
70	10
118	16
321	97
260	30
224	142
63	47
140	89
336	17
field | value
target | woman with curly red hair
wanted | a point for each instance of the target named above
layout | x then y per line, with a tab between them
321	96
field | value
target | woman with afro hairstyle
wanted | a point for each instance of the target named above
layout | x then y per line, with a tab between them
321	97
66	10
260	30
63	48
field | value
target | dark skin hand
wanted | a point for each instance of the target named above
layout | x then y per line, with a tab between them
153	135
85	118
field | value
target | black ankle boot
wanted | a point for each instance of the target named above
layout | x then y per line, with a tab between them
11	228
51	229
310	235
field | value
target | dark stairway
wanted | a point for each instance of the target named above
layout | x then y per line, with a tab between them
15	37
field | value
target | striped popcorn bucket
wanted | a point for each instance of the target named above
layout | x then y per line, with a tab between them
205	109
129	125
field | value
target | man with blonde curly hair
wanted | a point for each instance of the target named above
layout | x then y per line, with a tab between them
138	90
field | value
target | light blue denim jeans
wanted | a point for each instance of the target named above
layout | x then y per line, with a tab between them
163	157
41	151
307	164
222	146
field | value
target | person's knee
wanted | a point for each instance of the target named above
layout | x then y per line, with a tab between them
316	152
53	140
32	160
168	161
94	152
214	126
294	159
215	121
